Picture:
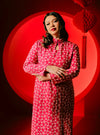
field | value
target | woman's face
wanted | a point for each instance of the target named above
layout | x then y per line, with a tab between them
52	25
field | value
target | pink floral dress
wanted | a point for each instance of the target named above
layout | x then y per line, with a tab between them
53	100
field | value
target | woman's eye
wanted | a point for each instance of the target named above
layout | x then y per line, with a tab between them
49	23
55	21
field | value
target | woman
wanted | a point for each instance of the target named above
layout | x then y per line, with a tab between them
54	61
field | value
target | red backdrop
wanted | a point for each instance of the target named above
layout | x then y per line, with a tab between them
14	110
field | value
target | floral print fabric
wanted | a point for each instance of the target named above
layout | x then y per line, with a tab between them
53	100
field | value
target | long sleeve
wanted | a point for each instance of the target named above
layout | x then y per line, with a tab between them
31	65
74	69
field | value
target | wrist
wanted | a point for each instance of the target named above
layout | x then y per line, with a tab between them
46	68
49	77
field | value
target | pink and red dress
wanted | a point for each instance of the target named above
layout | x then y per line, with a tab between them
53	100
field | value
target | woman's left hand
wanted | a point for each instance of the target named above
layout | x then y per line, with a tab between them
44	78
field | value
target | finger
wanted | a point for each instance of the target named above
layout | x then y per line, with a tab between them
61	73
62	69
62	76
64	72
57	74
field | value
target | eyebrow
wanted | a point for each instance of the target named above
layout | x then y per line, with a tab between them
51	20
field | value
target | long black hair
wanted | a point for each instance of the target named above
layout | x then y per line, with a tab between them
63	33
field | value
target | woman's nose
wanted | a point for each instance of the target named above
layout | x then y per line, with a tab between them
52	24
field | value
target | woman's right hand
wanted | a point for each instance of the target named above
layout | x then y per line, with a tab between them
56	70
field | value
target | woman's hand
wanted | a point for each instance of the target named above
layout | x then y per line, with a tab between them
56	70
44	78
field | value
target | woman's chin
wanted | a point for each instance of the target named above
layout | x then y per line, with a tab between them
54	35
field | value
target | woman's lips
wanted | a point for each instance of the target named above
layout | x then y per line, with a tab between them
53	29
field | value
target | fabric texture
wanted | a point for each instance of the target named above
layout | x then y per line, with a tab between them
53	100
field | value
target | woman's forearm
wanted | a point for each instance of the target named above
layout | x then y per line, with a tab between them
43	78
36	75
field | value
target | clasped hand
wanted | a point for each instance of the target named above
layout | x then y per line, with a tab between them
60	72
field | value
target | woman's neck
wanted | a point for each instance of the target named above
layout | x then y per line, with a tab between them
57	37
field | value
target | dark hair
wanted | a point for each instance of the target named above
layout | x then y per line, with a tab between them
63	33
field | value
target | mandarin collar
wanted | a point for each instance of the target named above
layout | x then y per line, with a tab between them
57	40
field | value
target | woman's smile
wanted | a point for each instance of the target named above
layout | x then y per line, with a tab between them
53	29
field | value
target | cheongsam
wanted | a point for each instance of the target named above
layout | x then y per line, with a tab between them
53	100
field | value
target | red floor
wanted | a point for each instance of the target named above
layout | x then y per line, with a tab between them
21	125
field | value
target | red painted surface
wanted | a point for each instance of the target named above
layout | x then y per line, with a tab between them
19	43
